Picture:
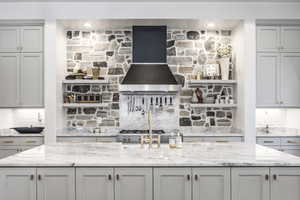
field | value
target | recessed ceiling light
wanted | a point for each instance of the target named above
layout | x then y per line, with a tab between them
210	25
87	25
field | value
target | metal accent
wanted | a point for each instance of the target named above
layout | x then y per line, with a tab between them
149	88
31	177
117	177
188	177
266	177
196	177
109	177
274	177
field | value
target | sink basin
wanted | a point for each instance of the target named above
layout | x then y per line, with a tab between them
28	130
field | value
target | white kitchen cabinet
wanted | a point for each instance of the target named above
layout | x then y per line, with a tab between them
267	79
133	184
9	39
56	183
17	184
285	183
31	80
250	184
290	79
172	184
95	184
31	38
9	79
290	39
211	183
268	38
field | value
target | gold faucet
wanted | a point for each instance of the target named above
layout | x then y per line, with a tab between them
148	139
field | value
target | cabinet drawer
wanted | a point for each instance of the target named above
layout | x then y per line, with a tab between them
222	139
76	139
24	141
290	141
192	139
268	141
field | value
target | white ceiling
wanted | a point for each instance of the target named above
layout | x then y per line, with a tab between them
170	23
184	1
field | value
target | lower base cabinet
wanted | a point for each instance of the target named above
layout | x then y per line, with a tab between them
37	184
192	183
110	184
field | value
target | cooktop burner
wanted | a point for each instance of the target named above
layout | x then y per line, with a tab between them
141	131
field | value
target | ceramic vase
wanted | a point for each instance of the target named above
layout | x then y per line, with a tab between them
225	65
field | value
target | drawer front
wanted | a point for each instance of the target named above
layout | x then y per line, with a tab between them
76	139
290	141
222	139
106	139
192	139
268	141
24	141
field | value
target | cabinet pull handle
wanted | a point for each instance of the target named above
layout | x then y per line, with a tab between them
268	141
39	177
291	142
222	141
31	141
8	141
109	177
31	177
188	177
196	177
275	177
117	177
267	177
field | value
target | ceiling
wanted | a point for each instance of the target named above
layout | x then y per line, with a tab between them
170	23
183	1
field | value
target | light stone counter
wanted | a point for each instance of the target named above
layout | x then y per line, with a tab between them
13	133
278	132
117	155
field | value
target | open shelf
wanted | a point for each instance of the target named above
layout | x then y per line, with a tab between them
214	105
80	81
74	105
200	82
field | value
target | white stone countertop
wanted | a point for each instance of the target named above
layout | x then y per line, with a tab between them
118	155
278	132
13	133
208	134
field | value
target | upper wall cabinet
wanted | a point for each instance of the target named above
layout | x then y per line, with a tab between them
268	38
21	39
278	39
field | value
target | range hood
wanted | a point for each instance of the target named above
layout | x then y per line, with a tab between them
149	71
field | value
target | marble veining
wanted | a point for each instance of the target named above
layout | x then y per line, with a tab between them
118	155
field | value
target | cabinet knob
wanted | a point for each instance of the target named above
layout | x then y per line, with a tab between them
117	177
267	177
39	177
109	177
31	177
188	177
196	177
275	177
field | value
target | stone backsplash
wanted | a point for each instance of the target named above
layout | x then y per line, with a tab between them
111	50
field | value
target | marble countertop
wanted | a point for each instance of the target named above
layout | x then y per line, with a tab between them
118	155
13	133
278	132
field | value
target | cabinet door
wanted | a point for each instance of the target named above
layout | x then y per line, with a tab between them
32	39
285	183
9	39
94	184
267	79
9	79
268	38
17	184
250	183
290	79
290	39
31	79
133	184
211	183
172	184
8	151
56	183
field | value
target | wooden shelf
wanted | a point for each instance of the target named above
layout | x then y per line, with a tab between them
79	81
74	105
214	105
201	82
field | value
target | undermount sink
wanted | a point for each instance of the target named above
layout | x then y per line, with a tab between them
28	130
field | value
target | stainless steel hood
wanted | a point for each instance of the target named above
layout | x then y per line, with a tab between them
149	71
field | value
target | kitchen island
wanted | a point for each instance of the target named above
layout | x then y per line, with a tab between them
91	171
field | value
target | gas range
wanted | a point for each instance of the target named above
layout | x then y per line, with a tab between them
134	136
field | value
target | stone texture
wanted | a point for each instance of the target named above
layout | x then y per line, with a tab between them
89	110
115	71
171	51
185	122
193	35
184	114
185	70
81	88
184	44
180	60
170	43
